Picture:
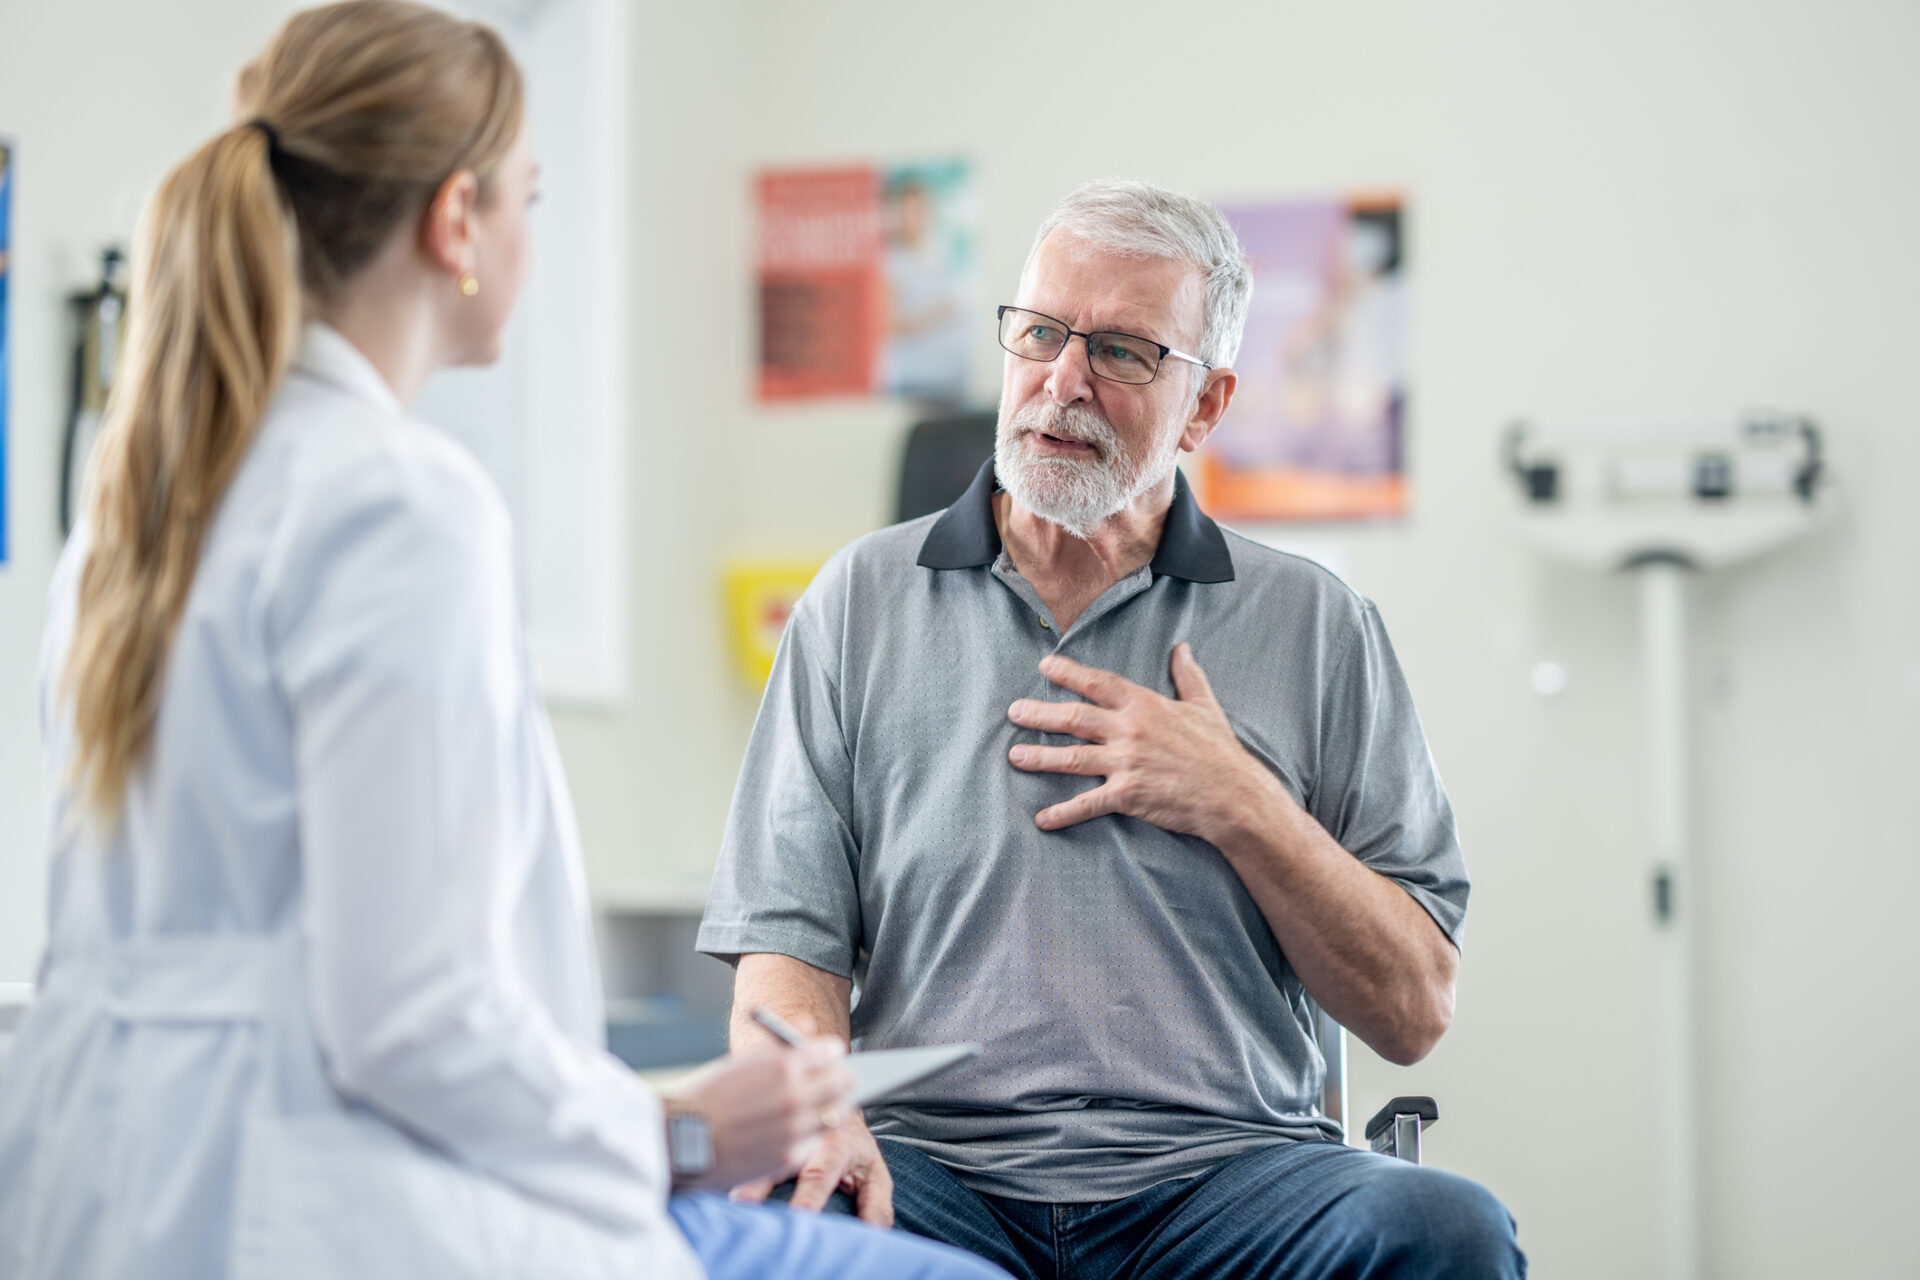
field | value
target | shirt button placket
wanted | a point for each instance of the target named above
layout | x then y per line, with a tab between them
1052	632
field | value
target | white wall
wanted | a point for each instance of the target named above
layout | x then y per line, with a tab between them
1625	207
652	780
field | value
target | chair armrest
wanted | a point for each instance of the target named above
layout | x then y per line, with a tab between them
1395	1129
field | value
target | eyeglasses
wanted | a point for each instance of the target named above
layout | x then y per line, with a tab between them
1117	357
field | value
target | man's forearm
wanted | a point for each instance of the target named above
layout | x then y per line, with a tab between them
814	1001
1368	953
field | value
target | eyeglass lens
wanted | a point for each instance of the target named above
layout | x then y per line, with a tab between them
1120	357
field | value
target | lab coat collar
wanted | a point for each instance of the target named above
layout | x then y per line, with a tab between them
1191	546
326	354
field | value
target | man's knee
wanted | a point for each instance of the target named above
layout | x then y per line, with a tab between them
1442	1224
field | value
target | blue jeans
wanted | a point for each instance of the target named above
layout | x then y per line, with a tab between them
1298	1210
770	1242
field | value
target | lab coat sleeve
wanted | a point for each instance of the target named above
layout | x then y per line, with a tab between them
398	650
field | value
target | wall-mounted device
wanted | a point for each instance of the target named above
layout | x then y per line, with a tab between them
1606	494
99	315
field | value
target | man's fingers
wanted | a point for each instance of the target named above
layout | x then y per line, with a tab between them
875	1199
821	1177
799	1152
1088	804
753	1192
1189	681
1079	719
1085	761
1091	683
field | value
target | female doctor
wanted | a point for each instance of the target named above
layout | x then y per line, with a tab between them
319	998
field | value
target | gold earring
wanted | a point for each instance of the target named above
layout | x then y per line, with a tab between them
469	284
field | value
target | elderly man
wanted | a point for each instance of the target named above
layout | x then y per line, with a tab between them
1070	771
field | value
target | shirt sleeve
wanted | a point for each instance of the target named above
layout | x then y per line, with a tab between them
1378	792
397	646
787	878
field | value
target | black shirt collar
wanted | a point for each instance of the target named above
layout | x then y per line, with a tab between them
1191	546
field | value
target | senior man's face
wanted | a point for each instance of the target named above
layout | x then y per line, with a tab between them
1075	448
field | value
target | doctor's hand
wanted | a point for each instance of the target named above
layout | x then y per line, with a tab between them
766	1108
847	1159
1174	762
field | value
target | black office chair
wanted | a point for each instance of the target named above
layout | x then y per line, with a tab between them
941	457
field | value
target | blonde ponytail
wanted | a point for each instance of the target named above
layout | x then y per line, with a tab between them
355	115
214	320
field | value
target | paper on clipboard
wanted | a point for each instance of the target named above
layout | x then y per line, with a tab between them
884	1071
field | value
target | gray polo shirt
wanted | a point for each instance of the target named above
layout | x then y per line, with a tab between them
1140	1021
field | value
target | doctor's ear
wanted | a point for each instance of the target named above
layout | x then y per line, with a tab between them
448	229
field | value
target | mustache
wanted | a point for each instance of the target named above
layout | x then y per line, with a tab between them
1066	422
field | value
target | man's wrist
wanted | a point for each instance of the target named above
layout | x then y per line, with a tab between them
1258	817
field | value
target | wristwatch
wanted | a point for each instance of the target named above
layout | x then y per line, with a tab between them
689	1145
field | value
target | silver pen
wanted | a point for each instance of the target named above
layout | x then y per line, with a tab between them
778	1025
830	1115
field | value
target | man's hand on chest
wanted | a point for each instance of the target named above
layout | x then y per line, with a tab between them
1174	762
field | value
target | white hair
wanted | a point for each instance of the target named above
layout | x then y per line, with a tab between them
1140	220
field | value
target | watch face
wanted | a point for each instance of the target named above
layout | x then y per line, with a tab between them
689	1145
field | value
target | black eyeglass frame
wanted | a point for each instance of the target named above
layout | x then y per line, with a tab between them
1000	319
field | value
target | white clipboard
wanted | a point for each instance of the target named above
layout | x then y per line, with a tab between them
885	1071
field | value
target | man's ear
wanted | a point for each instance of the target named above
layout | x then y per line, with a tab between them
447	229
1213	401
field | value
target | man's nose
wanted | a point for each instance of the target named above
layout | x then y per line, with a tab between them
1070	377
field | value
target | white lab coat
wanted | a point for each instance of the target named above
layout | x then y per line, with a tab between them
325	1003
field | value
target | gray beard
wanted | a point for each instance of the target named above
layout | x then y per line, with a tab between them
1078	495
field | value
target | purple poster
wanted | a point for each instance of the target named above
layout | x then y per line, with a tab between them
1318	421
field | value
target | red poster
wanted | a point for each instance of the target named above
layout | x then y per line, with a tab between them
821	283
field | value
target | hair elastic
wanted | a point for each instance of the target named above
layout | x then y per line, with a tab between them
272	135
